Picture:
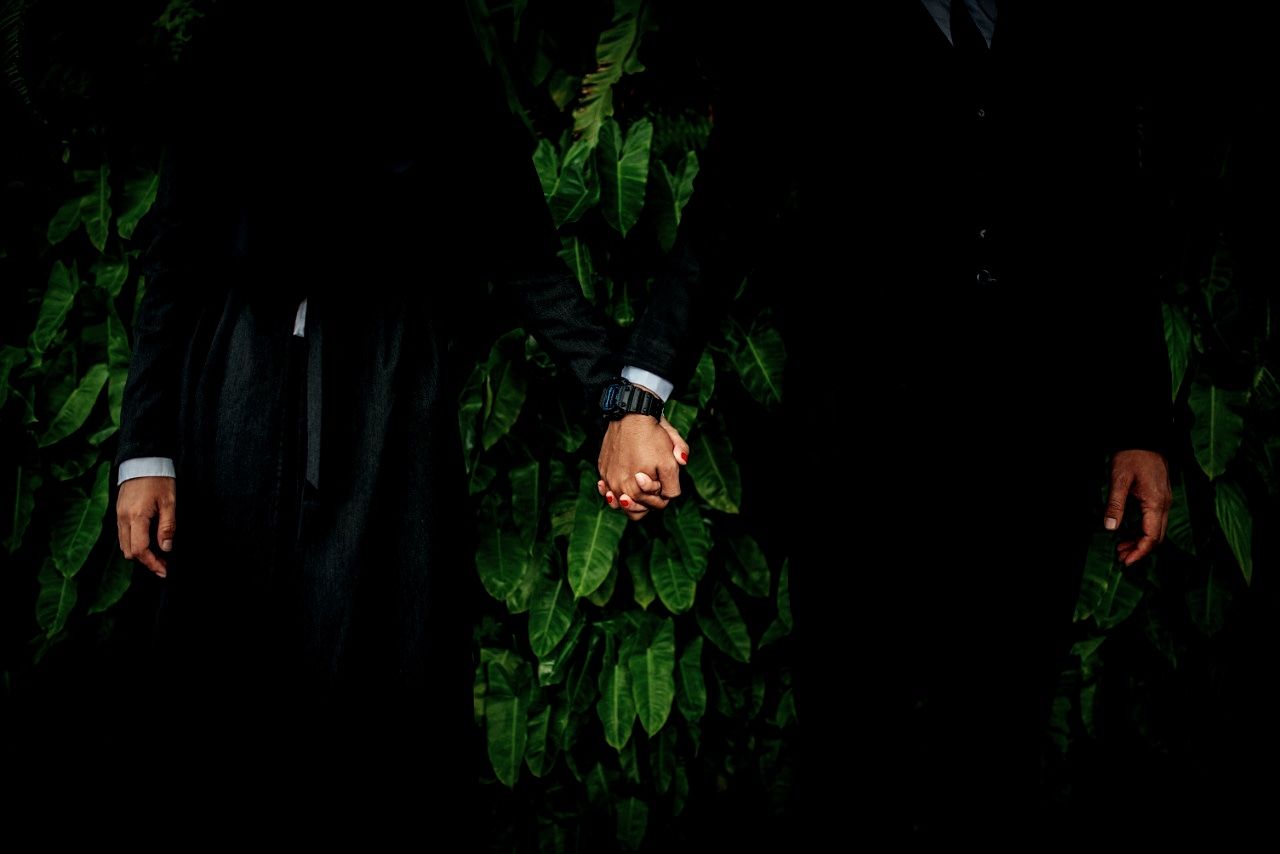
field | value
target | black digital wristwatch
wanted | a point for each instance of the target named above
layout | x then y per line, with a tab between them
622	398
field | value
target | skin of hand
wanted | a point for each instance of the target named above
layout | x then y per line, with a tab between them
1145	476
140	500
640	463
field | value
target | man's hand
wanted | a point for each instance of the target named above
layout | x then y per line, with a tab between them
142	499
640	463
1145	476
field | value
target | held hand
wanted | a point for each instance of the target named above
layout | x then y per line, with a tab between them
142	499
1145	476
640	463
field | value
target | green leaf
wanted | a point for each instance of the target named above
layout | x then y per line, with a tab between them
110	276
1106	592
79	525
662	759
10	357
1177	337
759	357
114	584
616	707
506	714
1237	524
674	192
784	595
505	389
616	54
58	297
550	614
748	569
714	470
118	355
624	172
642	587
540	748
676	587
1216	433
526	499
1180	532
139	196
633	817
74	467
501	559
593	543
569	185
723	625
577	255
785	714
64	221
470	405
681	415
55	600
1207	603
554	666
520	597
653	682
24	502
629	761
682	791
95	208
75	411
692	696
602	595
690	532
703	384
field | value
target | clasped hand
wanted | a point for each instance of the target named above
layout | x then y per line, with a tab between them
640	463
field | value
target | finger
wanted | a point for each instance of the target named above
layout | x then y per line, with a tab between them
650	492
609	499
1120	483
139	542
1164	524
168	525
1152	523
634	509
679	447
122	536
1143	548
669	475
647	484
600	488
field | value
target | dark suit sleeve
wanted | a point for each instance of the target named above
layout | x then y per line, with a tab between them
163	326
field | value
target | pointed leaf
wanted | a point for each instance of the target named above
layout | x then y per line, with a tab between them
714	470
722	624
1180	532
540	749
114	584
570	186
501	559
111	276
64	221
642	587
597	530
1237	524
603	594
691	534
527	486
95	208
78	527
674	192
75	411
139	196
118	356
676	587
748	569
633	818
759	357
1177	337
55	600
703	384
662	759
681	416
10	357
554	666
550	613
506	713
615	55
692	696
59	295
24	502
1216	433
577	255
505	391
653	682
624	172
616	707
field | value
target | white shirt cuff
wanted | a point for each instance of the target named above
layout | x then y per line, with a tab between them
145	467
662	388
300	320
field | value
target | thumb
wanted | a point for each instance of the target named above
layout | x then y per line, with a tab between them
679	447
1120	483
168	526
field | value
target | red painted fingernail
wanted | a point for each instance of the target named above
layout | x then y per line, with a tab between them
684	457
609	498
624	502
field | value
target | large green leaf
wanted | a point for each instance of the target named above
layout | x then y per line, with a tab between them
118	356
55	600
722	624
682	416
577	254
114	584
1237	524
676	587
703	384
10	357
748	568
616	54
633	818
111	276
527	486
616	707
624	172
662	759
78	527
714	470
602	595
505	390
506	713
1177	338
653	681
692	535
758	356
61	292
95	207
25	485
642	587
674	192
501	559
64	221
540	748
569	184
593	543
470	405
692	695
1216	433
550	613
1180	532
76	409
1107	594
139	196
554	666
